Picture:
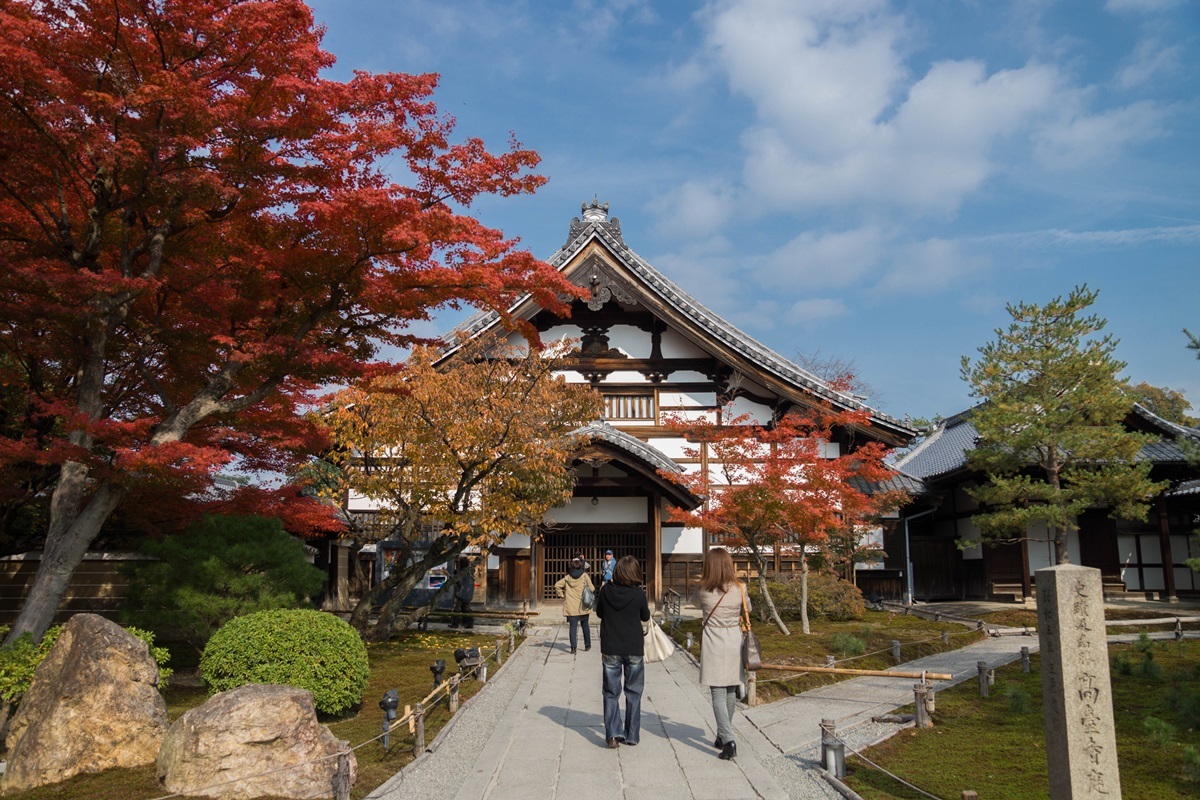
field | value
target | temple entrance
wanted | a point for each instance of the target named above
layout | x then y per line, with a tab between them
559	547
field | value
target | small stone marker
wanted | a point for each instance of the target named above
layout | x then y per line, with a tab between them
1081	745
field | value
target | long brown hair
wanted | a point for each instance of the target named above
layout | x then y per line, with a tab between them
628	572
717	573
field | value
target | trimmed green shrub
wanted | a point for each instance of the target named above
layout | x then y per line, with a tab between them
829	597
310	650
218	569
21	658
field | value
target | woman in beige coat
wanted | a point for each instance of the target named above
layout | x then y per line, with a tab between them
570	587
721	643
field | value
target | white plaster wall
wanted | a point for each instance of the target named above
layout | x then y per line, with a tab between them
758	412
682	541
518	540
1041	547
674	448
624	376
358	502
969	530
687	399
608	509
688	376
571	376
629	340
676	346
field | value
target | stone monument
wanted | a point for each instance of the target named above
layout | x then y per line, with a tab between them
1081	745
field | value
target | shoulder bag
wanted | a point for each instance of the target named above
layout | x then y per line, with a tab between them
751	655
588	601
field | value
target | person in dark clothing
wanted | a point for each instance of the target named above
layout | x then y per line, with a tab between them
622	608
464	593
571	587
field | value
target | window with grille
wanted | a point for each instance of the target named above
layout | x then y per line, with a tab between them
629	406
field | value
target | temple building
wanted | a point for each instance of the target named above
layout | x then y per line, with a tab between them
652	351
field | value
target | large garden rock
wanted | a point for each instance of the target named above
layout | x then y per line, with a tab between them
93	704
251	741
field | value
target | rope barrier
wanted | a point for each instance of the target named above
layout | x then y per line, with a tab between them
891	775
445	685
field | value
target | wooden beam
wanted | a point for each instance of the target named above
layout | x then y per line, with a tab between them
937	676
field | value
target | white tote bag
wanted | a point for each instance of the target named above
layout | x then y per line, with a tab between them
658	645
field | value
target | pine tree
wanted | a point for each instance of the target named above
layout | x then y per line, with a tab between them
1051	437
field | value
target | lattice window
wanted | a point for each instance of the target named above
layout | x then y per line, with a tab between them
561	547
629	406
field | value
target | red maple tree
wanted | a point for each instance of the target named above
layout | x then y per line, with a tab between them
779	485
198	230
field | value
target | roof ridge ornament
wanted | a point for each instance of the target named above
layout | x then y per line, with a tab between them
595	213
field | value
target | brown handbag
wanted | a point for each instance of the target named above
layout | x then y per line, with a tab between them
751	655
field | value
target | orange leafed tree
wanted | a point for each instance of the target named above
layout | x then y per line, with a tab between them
198	230
455	455
776	486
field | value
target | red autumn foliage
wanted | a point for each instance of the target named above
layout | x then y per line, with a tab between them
198	231
777	486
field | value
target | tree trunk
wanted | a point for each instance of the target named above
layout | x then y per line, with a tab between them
766	594
71	531
804	591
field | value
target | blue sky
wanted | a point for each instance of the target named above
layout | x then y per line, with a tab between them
872	181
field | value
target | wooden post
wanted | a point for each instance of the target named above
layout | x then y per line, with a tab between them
341	778
482	673
752	689
969	795
419	741
983	678
920	692
499	653
833	752
454	681
896	651
1026	666
946	637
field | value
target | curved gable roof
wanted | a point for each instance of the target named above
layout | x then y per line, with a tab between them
692	317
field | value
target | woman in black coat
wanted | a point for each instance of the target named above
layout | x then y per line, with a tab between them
622	608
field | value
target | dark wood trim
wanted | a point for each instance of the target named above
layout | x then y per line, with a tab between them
1164	544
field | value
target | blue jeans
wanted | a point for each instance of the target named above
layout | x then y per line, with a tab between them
724	701
582	619
635	680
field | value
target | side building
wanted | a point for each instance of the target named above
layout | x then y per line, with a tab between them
653	352
1145	558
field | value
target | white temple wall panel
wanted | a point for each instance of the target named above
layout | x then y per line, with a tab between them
758	413
674	399
624	376
682	541
675	345
689	376
605	509
629	340
674	448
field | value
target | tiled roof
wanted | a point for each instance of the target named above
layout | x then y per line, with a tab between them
609	232
631	444
899	481
1185	488
945	450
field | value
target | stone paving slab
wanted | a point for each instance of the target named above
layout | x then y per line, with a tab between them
548	742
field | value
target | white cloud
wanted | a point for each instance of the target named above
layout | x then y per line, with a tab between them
841	122
1074	141
1150	59
931	266
695	208
815	310
1140	6
814	260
